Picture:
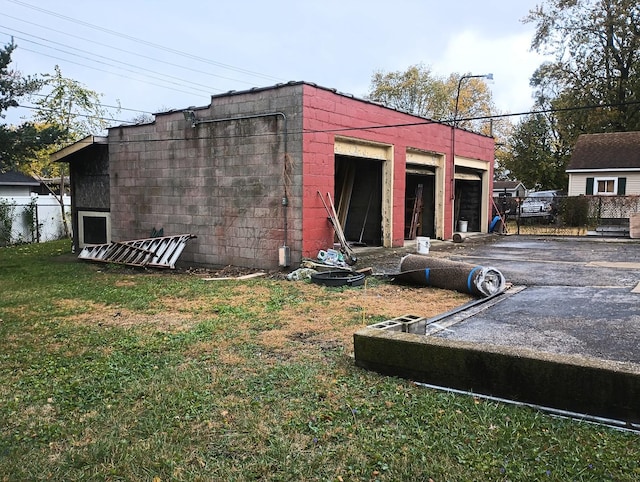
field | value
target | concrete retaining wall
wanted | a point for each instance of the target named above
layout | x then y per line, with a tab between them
583	385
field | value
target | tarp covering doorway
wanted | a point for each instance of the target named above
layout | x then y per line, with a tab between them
358	193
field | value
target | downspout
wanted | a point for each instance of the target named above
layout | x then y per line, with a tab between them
189	115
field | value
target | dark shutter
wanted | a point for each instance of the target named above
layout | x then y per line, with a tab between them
622	186
589	185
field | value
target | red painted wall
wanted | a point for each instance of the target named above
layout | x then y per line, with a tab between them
327	114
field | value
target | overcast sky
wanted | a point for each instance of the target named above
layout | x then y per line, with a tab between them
154	55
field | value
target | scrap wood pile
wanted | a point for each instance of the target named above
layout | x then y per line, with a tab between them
348	254
332	267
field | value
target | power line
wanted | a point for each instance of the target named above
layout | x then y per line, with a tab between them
479	118
118	107
75	114
554	110
174	86
114	73
370	127
106	58
130	52
362	128
146	42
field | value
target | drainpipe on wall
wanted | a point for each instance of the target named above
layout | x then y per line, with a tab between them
284	255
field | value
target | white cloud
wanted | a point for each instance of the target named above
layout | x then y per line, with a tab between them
336	44
509	59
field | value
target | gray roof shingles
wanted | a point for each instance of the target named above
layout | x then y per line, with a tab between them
505	184
612	150
12	178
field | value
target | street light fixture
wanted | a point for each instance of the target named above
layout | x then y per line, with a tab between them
455	125
455	113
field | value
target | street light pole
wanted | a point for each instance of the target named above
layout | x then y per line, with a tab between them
455	126
455	113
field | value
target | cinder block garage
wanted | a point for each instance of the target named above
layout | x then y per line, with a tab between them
246	173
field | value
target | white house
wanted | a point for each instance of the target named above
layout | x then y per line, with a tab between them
509	189
605	164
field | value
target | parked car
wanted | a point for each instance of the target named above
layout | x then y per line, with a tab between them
541	205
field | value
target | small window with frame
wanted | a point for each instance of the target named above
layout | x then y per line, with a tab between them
605	186
93	228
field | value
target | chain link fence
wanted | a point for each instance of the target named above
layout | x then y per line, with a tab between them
32	219
567	215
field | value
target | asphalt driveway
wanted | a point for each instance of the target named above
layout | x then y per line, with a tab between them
579	296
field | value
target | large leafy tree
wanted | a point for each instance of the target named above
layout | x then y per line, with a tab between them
19	143
459	99
596	44
73	110
415	90
72	106
593	85
536	158
418	91
22	145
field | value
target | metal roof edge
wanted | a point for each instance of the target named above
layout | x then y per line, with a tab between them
317	86
17	178
77	146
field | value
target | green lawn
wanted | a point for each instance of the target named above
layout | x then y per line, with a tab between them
111	374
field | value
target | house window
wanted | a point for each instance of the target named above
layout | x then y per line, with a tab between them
605	186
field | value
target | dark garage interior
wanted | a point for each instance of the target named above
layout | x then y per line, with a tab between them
419	219
358	192
468	203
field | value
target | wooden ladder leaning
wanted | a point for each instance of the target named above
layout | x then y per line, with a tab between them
417	212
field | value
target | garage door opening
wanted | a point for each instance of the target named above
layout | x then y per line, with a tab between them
358	193
468	200
419	219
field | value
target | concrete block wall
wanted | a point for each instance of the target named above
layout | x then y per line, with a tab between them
224	181
221	181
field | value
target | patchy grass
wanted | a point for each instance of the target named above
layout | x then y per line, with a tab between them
119	375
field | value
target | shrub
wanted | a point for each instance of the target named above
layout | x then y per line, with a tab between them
574	210
6	221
